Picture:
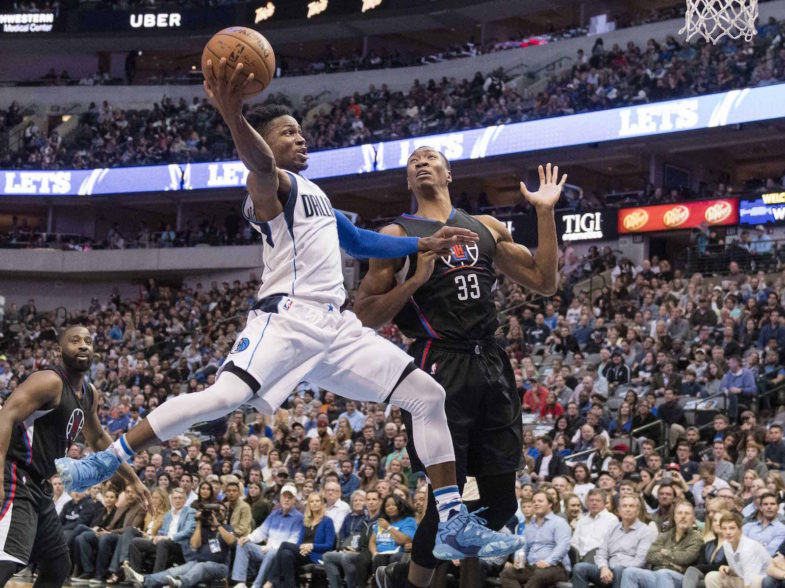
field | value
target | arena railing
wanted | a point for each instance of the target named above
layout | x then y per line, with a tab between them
715	259
664	448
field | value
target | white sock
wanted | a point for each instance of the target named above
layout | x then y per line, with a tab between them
448	501
122	450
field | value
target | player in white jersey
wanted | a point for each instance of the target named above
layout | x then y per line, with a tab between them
296	330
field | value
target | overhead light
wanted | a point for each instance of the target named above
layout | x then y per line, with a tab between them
264	12
316	7
371	4
65	118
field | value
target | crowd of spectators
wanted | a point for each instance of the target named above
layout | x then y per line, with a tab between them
137	236
177	131
652	427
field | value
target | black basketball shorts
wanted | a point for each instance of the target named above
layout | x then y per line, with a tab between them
483	405
30	530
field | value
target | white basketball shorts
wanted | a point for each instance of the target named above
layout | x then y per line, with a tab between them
302	341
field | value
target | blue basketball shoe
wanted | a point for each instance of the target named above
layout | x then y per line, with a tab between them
80	474
465	535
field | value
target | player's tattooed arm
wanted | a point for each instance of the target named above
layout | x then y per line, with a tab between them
38	392
540	273
98	439
379	298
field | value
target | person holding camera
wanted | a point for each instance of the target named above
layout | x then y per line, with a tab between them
211	542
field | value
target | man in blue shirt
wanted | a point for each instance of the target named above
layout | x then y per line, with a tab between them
118	420
283	524
739	384
356	418
767	530
547	548
348	479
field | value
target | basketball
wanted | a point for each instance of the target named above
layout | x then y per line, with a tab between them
246	46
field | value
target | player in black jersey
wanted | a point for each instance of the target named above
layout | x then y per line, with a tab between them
446	305
38	423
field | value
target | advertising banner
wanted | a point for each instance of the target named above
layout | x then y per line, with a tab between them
766	209
680	215
716	110
571	227
185	19
26	23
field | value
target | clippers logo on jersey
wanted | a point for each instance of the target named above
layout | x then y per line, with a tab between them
462	255
74	425
241	345
315	205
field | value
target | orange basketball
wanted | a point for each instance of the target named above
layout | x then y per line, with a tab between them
246	46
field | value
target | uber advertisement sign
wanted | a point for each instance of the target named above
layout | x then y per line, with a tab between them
570	227
153	20
764	209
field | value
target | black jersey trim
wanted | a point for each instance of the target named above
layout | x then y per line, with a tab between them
410	367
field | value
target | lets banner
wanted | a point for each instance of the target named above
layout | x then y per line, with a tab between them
682	215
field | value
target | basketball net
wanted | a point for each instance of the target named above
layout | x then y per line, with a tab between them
715	19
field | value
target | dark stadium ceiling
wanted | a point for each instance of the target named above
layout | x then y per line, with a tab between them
461	18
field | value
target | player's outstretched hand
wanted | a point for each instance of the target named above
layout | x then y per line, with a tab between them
443	239
224	91
550	188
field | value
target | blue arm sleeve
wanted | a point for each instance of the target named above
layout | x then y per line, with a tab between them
361	243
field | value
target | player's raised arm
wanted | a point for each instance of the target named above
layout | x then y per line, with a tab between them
226	94
39	391
539	273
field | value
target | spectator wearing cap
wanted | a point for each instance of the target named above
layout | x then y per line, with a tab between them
669	555
323	433
282	525
592	527
738	384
